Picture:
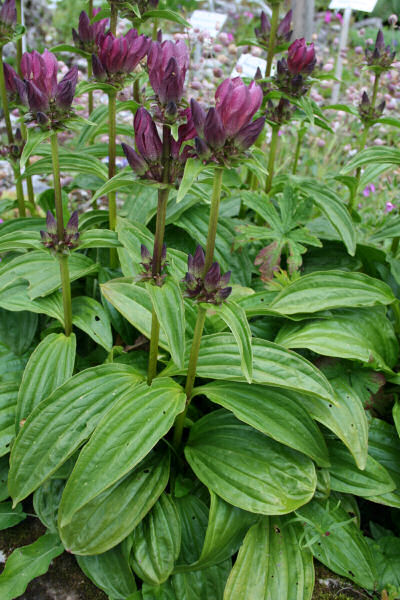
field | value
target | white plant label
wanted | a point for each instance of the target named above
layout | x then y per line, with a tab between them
360	5
247	66
210	22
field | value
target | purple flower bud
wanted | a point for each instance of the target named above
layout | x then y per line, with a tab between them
84	28
198	115
72	225
146	136
37	100
301	58
167	63
214	129
249	133
8	13
18	136
135	161
236	103
51	223
66	89
119	56
22	90
203	151
196	262
284	33
99	72
41	118
222	295
145	255
212	278
265	26
380	41
381	56
9	76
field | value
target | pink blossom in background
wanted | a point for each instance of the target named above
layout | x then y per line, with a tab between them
339	17
230	37
369	189
389	207
328	16
248	14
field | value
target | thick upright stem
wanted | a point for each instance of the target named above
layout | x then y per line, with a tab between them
272	36
300	136
63	259
113	18
19	188
201	315
4	101
112	202
18	6
157	249
90	92
271	160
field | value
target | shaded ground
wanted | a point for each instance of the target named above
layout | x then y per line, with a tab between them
329	586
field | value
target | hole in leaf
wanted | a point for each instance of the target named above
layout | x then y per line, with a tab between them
97	318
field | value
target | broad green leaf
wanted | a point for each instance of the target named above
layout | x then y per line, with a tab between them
336	541
365	335
396	416
168	305
235	317
9	516
70	48
248	469
27	563
34	138
90	316
167	14
193	168
219	358
333	208
8	402
347	478
71	162
384	446
382	154
271	564
15	297
107	519
11	365
331	289
20	240
156	542
275	412
193	514
26	224
136	422
110	571
123	179
62	422
226	527
346	418
98	238
17	331
46	500
42	271
50	364
390	229
386	553
4	466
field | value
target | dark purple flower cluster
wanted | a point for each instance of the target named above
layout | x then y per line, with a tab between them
167	63
380	57
147	264
280	112
283	33
207	287
8	20
70	238
227	130
367	112
292	72
14	150
147	161
49	102
87	36
117	57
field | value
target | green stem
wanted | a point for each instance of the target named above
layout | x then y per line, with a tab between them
20	190
136	91
155	29
4	101
300	136
201	315
113	18
112	201
271	160
272	36
396	312
363	142
29	184
18	6
63	258
90	93
157	249
191	375
395	245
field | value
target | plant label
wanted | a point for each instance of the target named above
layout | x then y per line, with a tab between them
360	5
210	22
247	66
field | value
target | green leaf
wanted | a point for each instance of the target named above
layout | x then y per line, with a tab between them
322	290
70	48
42	271
375	155
384	446
336	541
168	305
9	516
226	527
17	331
219	358
90	316
124	178
333	208
193	168
156	542
8	402
107	519
167	14
136	422
365	335
396	416
27	563
386	553
98	238
51	363
235	317
20	240
15	297
220	450
346	478
390	229
34	138
275	412
110	572
271	564
46	500
193	514
75	162
61	422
